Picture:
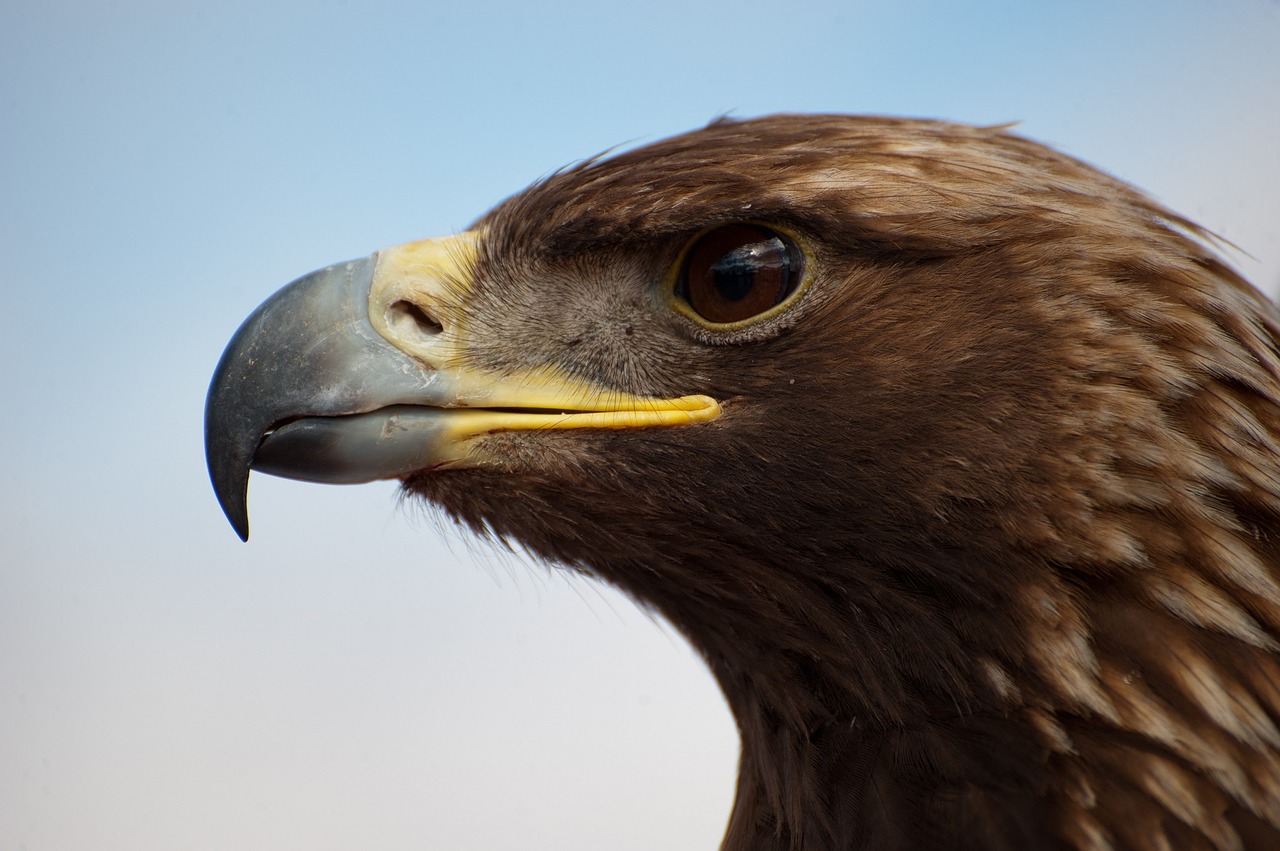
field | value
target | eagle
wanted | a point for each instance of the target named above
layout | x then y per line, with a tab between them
956	459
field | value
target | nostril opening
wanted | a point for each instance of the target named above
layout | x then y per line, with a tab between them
409	319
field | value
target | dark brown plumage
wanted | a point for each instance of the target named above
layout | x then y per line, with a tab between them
982	545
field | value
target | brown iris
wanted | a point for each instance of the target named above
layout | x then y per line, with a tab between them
739	271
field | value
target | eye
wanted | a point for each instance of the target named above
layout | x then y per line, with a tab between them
736	272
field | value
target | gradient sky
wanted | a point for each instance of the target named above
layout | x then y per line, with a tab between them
359	675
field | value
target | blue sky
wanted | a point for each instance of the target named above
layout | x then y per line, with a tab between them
359	675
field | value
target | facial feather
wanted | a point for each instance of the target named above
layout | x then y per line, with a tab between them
1016	372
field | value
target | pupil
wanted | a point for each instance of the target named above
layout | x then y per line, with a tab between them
734	274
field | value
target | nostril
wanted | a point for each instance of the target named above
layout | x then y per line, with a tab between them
410	320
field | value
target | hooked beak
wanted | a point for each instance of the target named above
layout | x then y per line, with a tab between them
359	372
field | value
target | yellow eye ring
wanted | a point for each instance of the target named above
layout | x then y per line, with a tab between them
737	275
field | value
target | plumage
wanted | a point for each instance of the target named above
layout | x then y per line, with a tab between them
976	526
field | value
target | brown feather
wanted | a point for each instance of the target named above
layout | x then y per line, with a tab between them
983	551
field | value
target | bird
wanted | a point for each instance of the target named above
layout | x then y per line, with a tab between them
955	458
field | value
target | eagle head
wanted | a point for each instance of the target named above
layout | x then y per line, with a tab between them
954	457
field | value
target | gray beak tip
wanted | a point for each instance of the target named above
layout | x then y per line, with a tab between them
240	524
233	499
229	473
237	512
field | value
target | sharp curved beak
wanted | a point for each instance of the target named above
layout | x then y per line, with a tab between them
359	372
308	351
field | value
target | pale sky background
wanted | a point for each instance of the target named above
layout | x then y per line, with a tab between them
357	676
